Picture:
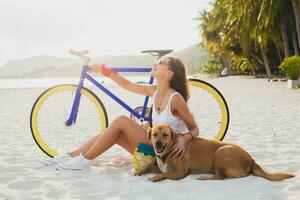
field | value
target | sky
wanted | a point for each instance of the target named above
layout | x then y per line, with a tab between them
105	27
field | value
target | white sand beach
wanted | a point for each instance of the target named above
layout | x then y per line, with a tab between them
265	120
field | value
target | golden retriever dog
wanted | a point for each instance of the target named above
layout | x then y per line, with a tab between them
222	159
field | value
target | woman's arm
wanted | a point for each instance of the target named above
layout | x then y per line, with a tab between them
146	90
184	113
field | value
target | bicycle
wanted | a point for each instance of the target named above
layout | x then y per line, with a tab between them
63	110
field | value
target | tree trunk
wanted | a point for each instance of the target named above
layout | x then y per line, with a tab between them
266	62
295	44
284	35
251	66
279	53
297	20
252	70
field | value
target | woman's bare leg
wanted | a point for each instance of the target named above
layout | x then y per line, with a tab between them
84	147
122	131
123	142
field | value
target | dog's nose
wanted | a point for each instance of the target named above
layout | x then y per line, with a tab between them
159	145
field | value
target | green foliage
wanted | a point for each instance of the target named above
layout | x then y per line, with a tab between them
226	34
212	67
236	31
239	63
291	67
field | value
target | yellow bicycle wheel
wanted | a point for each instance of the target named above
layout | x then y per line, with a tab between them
209	109
144	124
50	112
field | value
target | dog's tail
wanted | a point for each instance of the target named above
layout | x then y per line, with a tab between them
258	171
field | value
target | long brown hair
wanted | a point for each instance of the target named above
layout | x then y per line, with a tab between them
179	80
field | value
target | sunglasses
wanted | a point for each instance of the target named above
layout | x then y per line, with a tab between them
161	62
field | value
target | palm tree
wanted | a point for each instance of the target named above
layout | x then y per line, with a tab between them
284	36
238	31
295	43
296	9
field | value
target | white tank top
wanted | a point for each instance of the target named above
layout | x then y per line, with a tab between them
166	116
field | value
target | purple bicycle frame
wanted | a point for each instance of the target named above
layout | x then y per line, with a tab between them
84	75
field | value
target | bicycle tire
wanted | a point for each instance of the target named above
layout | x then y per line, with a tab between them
38	115
217	98
148	113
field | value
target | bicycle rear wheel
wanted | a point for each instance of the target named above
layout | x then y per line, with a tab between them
209	109
52	109
144	124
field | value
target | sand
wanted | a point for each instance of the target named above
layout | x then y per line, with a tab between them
265	120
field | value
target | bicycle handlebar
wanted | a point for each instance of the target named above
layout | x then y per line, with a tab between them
81	54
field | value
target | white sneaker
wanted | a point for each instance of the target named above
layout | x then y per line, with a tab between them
75	163
57	159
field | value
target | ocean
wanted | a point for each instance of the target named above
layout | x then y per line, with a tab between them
49	82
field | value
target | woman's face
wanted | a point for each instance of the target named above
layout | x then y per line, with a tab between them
161	70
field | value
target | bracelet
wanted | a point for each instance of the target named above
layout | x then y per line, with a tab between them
191	135
105	71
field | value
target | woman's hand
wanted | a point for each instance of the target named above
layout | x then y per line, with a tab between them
103	69
95	68
179	148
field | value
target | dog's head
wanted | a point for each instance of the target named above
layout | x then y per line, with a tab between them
162	138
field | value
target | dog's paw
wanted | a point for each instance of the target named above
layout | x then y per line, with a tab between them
152	179
155	178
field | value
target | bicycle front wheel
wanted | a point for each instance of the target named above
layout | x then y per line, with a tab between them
52	109
209	109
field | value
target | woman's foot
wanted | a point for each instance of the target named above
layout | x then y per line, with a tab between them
75	163
57	159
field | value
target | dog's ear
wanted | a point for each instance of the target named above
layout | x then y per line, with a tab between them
149	132
174	135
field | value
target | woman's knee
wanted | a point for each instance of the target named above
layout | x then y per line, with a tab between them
120	121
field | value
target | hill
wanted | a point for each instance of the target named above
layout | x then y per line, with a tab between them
52	66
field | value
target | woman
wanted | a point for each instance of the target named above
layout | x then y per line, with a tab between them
170	97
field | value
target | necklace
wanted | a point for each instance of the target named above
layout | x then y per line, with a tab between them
158	104
158	107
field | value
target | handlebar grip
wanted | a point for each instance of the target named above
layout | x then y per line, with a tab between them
80	54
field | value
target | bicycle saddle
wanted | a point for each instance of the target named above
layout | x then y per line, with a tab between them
158	53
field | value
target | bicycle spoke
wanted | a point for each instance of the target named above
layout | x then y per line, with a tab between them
206	109
53	113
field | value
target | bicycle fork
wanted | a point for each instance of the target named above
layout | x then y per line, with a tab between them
76	102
